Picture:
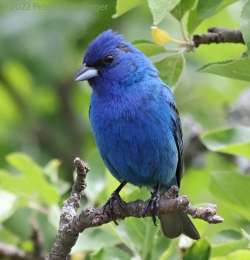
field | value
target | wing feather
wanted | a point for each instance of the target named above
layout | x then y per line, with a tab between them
177	132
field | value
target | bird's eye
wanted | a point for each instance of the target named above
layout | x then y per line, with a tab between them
108	59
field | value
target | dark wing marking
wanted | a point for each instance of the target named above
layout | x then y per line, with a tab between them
89	110
177	131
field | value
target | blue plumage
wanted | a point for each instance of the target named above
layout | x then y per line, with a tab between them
134	119
134	133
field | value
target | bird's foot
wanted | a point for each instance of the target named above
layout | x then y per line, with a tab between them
109	205
115	198
153	204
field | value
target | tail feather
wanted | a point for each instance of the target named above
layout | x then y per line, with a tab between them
178	223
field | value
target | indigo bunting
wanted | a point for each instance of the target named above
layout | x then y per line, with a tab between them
135	122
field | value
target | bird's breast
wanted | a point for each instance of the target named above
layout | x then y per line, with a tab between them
135	137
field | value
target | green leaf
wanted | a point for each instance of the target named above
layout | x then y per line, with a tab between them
159	8
138	235
182	8
245	24
229	247
123	6
228	241
51	170
110	253
96	178
149	48
22	81
226	236
238	255
160	246
195	189
236	69
233	190
48	231
9	111
7	236
170	68
30	183
170	252
230	140
19	223
200	250
95	239
204	10
53	215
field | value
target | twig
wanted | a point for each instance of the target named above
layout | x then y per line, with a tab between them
67	236
218	35
12	252
37	239
71	223
207	213
168	203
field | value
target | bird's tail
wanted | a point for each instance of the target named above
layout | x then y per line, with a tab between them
174	224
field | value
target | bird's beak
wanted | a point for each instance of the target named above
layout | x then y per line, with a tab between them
86	73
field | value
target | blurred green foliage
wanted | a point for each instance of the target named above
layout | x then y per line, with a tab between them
44	116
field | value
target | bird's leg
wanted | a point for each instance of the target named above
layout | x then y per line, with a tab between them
153	203
115	196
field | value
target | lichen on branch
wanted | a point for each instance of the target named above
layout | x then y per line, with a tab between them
73	223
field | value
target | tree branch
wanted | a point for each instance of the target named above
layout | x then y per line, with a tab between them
12	252
37	239
67	236
218	35
71	223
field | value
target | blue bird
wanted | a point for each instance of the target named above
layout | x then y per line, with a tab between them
135	122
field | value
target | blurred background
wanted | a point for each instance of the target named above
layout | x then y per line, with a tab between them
44	124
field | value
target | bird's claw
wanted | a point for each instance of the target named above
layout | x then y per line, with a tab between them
109	205
153	205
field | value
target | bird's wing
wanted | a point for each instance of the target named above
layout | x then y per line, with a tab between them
177	131
89	110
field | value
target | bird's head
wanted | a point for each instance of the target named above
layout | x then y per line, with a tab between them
111	59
